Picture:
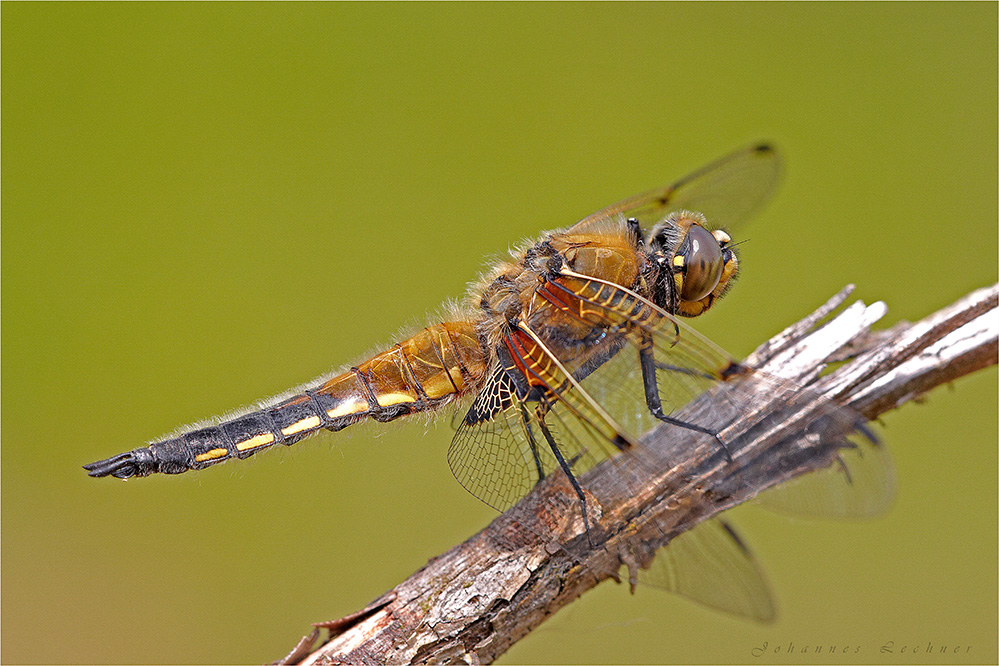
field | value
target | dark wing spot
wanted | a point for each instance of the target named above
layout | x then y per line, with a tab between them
495	396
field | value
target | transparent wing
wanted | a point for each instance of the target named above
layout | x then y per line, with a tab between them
860	483
494	454
727	191
586	406
713	566
498	452
504	445
485	451
508	442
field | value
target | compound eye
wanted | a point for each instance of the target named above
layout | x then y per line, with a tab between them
702	264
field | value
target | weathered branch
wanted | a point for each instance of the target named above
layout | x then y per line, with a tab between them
470	604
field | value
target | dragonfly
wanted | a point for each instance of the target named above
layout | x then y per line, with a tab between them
561	356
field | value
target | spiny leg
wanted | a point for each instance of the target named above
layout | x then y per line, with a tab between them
526	419
568	472
654	402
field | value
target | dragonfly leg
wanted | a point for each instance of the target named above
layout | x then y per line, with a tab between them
568	472
526	419
655	404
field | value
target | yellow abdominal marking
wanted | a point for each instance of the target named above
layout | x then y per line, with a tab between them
304	424
388	399
254	442
347	408
210	455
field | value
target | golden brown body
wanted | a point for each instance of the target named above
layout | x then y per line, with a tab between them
534	328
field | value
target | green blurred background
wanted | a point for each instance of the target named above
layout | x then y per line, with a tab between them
204	205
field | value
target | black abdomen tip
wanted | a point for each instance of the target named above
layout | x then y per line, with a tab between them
124	465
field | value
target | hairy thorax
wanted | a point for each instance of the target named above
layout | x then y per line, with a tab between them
507	293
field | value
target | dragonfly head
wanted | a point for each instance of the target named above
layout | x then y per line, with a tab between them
696	265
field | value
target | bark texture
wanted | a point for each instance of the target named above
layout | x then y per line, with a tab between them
470	604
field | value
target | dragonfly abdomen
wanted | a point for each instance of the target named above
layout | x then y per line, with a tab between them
420	374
